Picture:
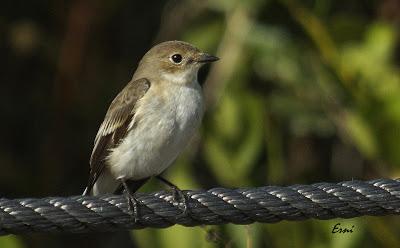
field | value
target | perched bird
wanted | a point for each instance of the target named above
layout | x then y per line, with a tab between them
150	121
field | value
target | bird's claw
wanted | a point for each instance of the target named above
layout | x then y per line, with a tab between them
175	194
133	206
180	198
133	203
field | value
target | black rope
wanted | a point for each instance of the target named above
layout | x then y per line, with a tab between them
267	204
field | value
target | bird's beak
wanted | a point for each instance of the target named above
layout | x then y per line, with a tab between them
206	58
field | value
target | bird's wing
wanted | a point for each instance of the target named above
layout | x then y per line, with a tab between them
115	126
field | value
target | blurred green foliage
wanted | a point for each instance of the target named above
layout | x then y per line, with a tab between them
305	91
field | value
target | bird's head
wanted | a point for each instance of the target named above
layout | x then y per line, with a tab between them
176	61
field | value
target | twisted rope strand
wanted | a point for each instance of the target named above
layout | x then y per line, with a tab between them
269	204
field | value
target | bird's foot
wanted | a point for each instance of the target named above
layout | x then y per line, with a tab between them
133	206
178	196
133	203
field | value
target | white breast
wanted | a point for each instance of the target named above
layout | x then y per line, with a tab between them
162	129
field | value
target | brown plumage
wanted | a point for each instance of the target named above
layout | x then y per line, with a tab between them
115	126
150	121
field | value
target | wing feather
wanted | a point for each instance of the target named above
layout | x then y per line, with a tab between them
115	126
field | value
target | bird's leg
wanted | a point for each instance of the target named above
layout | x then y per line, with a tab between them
177	193
133	203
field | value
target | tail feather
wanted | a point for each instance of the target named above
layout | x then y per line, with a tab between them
86	192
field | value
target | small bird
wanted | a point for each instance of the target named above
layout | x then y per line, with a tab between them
149	122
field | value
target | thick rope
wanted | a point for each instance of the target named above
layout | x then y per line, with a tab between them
269	204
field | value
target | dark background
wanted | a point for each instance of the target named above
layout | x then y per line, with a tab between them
305	91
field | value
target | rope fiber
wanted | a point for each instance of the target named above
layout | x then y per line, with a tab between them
269	204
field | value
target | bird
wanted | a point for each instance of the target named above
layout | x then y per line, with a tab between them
150	122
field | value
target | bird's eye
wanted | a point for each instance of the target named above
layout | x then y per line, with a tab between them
176	58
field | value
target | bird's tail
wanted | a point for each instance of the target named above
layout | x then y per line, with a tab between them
86	192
